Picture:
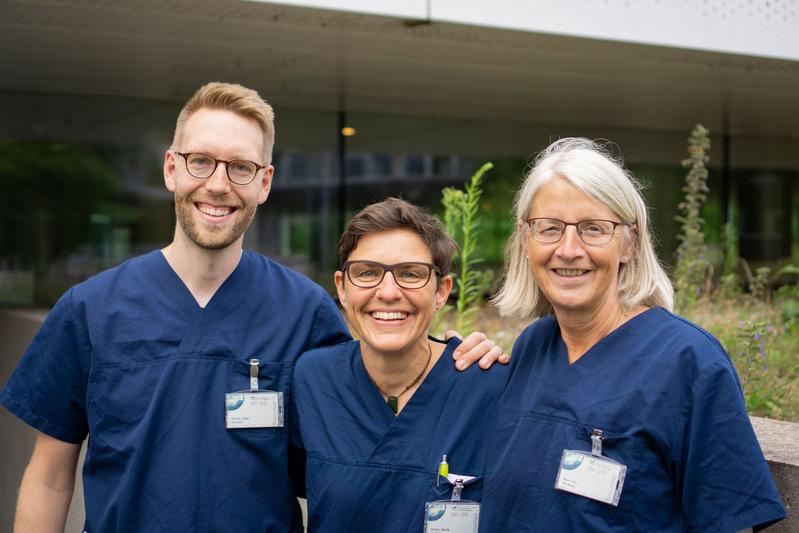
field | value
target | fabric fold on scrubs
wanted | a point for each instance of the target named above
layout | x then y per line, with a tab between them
130	358
668	400
369	470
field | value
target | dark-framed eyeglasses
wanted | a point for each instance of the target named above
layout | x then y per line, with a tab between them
591	232
202	166
369	274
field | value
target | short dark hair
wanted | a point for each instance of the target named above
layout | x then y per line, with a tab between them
395	213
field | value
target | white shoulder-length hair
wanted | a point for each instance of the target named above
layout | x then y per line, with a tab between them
590	168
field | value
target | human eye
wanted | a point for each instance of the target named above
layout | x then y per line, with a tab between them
364	271
412	272
241	167
595	227
548	226
199	160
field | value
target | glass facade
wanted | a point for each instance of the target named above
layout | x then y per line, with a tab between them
83	180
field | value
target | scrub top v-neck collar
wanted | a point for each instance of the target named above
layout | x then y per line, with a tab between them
200	320
377	404
591	360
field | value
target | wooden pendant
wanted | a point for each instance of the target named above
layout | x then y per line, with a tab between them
393	403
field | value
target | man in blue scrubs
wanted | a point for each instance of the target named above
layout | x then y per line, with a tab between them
140	357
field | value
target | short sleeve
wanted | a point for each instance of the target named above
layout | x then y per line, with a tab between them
726	483
48	388
328	326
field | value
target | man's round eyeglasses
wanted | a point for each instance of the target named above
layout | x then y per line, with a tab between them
202	166
591	232
370	274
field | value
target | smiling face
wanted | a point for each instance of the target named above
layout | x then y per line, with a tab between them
575	277
213	213
389	319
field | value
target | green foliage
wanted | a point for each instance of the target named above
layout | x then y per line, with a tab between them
692	265
54	188
462	222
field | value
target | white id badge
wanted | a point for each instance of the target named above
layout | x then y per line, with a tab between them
451	517
254	409
593	476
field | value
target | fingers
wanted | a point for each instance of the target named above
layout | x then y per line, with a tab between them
452	333
477	348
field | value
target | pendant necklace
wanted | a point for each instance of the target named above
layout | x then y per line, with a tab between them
393	401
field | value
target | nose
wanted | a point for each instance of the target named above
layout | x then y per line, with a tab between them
570	245
388	290
218	182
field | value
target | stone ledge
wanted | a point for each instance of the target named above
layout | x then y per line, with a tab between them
780	443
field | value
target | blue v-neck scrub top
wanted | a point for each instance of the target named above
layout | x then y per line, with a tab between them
371	471
669	402
129	358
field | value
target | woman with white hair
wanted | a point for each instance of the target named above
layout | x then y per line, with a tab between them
619	415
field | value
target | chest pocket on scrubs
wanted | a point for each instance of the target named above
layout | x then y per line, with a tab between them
552	435
472	490
271	376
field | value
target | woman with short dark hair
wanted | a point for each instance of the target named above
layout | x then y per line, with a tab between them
378	416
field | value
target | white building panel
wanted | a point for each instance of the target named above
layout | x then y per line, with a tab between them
766	28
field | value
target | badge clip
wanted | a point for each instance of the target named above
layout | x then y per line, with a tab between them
596	443
254	374
456	490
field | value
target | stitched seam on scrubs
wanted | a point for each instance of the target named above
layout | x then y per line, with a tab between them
284	367
611	432
374	466
753	517
39	422
84	326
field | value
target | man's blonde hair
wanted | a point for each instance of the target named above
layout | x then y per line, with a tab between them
237	99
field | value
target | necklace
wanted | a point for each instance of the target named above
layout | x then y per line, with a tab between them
393	401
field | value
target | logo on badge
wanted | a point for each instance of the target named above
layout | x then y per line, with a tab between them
234	401
572	460
434	511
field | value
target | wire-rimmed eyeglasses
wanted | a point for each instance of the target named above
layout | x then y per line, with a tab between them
202	166
592	232
408	275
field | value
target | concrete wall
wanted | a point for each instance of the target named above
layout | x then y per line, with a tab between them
17	328
779	440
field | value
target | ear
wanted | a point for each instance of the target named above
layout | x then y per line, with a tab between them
443	290
170	168
629	245
338	279
266	184
524	238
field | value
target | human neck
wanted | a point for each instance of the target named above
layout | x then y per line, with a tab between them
581	330
202	270
393	372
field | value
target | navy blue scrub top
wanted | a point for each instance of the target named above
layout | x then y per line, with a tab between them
129	358
669	402
369	470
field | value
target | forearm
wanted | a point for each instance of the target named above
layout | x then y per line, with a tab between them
43	504
47	485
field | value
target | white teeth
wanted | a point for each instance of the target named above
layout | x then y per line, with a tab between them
569	272
382	315
214	211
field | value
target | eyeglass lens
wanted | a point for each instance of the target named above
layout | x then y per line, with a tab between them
368	274
239	171
551	230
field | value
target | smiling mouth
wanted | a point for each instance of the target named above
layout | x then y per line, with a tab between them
214	210
569	272
394	315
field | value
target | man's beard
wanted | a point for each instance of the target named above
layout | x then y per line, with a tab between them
210	237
